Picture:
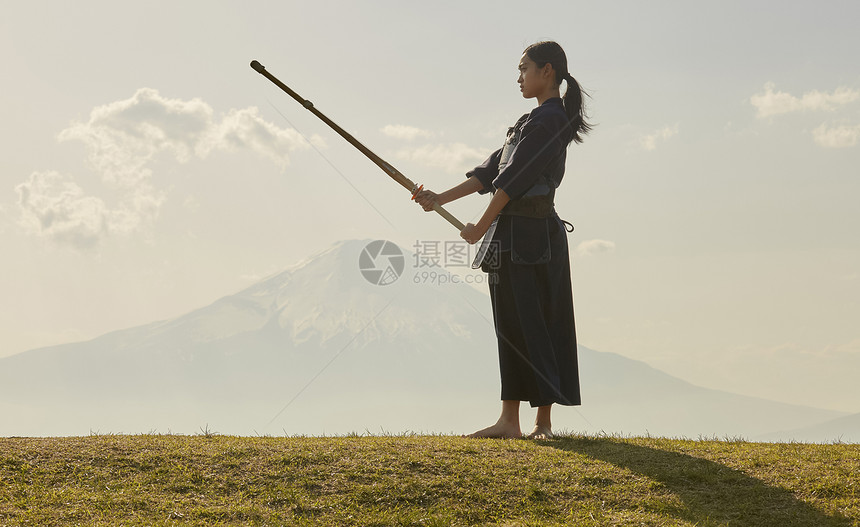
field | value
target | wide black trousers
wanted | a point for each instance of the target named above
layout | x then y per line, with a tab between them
533	314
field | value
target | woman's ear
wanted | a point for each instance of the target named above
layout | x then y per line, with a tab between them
548	71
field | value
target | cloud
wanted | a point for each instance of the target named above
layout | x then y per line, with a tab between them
790	349
124	136
451	157
122	139
592	247
773	102
400	131
836	137
846	348
55	207
649	141
246	129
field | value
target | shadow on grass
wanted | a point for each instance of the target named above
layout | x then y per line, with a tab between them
711	493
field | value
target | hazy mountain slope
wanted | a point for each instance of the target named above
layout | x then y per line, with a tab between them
845	429
326	351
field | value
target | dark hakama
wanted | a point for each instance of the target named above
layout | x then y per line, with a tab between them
533	315
529	265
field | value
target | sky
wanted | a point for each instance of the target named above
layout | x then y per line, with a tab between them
147	170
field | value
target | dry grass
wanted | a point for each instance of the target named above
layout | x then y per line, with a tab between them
424	480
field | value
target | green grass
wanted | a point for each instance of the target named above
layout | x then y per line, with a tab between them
424	481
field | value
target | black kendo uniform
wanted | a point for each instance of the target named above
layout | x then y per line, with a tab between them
529	264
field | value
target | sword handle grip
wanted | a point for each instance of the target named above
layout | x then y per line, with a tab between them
448	216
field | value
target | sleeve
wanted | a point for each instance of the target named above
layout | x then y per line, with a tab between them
536	149
487	171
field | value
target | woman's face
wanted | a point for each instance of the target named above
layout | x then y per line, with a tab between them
533	80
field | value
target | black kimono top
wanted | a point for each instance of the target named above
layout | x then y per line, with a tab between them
534	166
541	139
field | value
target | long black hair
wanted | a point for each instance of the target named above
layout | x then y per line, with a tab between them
548	52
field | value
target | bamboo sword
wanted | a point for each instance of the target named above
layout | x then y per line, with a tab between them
395	174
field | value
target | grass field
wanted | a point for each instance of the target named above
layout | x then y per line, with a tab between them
210	479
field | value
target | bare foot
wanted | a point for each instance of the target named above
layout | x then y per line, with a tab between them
540	432
499	431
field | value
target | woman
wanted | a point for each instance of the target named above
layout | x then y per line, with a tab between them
525	245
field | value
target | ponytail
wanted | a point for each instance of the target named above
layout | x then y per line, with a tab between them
574	107
549	52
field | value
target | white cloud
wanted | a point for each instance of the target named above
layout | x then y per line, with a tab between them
123	136
773	102
55	207
246	129
846	348
592	247
836	137
401	131
649	141
122	139
452	157
790	349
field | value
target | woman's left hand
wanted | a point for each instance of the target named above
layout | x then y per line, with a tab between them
472	233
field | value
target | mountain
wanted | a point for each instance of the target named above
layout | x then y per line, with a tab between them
845	429
321	348
237	362
634	398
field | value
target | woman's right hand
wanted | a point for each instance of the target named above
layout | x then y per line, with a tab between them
427	199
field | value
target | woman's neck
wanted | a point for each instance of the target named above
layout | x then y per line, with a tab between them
548	94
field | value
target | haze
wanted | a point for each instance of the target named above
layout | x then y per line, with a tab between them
147	170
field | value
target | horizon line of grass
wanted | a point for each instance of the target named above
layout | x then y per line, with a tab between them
410	479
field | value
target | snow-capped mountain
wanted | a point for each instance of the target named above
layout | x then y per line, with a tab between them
240	359
321	348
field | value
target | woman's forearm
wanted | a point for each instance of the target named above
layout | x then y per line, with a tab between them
465	188
500	199
473	232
